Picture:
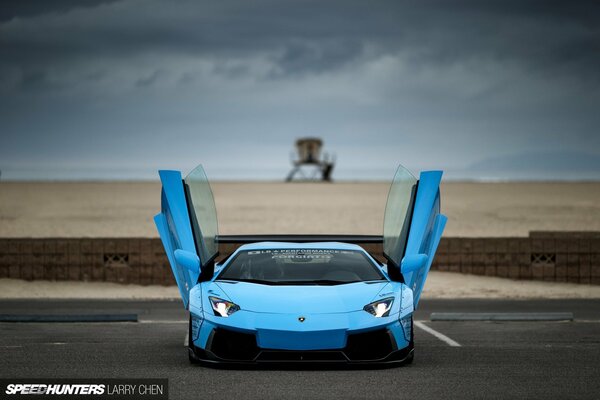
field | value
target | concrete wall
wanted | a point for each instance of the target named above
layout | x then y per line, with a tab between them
141	261
550	256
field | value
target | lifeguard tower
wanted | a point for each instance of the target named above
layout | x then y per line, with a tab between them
307	162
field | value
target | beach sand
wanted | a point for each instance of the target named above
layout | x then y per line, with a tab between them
440	285
125	209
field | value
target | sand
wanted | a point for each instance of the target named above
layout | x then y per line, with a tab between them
125	209
440	285
20	289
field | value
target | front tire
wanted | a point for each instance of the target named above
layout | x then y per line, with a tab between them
411	356
191	354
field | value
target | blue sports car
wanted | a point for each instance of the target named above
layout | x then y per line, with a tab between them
300	298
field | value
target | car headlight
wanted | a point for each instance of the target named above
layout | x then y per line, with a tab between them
380	308
223	308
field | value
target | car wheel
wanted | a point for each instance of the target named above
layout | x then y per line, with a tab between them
411	356
191	354
412	332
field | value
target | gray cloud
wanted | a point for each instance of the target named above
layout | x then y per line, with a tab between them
381	81
314	36
13	9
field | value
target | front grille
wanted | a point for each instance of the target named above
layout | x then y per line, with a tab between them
369	346
230	345
282	356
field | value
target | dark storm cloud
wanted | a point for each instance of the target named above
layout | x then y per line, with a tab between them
499	78
12	9
311	36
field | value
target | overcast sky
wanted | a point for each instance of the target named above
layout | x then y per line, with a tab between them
118	89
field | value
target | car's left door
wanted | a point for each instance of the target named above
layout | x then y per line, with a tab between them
412	227
187	225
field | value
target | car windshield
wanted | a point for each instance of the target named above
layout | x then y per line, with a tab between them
301	267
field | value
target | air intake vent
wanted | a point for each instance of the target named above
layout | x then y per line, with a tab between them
543	258
116	260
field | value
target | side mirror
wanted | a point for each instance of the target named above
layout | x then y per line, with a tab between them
187	259
412	263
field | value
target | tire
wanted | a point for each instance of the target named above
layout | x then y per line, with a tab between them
412	332
191	354
411	356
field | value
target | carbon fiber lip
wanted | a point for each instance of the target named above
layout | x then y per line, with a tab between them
396	357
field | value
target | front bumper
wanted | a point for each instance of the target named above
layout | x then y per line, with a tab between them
222	341
270	357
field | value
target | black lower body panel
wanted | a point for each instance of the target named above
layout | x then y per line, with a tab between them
368	348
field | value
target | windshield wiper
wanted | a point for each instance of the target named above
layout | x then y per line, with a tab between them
322	282
259	281
313	282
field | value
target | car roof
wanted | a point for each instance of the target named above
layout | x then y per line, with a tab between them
290	245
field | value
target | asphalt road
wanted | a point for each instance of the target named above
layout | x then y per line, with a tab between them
537	360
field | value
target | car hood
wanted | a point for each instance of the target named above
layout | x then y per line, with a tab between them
308	299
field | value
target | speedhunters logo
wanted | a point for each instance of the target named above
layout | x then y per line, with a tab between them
57	388
85	388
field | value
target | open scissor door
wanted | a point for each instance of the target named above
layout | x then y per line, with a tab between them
412	227
187	222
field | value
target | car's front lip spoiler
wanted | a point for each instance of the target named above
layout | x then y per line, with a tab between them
396	357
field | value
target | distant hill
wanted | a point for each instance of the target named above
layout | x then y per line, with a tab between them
556	165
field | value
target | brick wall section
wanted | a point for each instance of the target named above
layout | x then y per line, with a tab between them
140	261
548	256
